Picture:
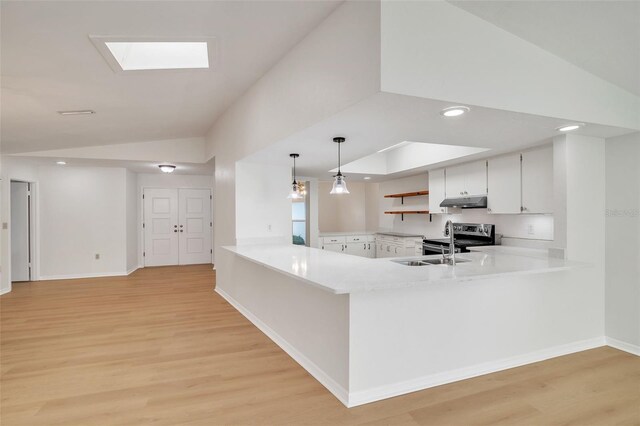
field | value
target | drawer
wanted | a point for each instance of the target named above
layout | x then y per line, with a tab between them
334	240
357	238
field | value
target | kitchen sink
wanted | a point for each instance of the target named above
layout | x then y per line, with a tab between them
411	262
426	262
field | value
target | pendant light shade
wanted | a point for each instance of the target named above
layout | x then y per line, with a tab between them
339	183
297	188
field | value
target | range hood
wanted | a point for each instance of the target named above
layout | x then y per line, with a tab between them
472	202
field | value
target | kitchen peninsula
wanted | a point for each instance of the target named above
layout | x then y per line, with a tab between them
370	329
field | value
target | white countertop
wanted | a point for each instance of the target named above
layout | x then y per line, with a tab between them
342	273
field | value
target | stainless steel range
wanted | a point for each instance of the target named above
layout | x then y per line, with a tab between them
465	235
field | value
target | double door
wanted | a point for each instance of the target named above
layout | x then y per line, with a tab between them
177	226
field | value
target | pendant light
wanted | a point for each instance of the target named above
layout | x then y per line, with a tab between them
339	184
296	190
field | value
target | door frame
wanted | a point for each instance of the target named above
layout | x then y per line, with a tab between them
34	231
141	228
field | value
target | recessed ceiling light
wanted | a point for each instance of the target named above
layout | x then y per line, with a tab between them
159	55
367	177
570	127
454	111
77	112
61	163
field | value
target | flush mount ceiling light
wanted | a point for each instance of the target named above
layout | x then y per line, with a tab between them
135	54
61	163
454	111
570	127
77	112
297	189
167	168
367	178
339	184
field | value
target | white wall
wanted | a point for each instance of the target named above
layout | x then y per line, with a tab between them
622	292
263	210
435	50
342	213
81	215
131	218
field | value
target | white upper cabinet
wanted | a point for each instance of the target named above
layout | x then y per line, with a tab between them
456	181
467	179
436	191
504	194
476	178
537	180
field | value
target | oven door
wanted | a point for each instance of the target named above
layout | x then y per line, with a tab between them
429	248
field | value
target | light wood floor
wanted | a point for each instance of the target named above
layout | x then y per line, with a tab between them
160	347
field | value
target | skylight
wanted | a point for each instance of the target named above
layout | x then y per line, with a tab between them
159	55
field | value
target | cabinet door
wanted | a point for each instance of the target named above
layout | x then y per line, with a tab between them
537	181
334	247
455	182
357	249
371	249
436	191
504	185
475	178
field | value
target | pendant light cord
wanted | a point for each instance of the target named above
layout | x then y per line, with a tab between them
339	159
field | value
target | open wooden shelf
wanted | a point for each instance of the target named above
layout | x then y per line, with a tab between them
407	212
408	194
403	212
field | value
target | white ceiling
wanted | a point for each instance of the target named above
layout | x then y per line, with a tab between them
49	64
601	37
386	119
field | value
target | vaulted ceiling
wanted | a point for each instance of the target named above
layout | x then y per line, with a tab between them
49	64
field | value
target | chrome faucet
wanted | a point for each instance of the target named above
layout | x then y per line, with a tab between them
451	259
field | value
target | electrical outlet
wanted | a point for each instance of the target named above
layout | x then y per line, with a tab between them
531	230
5	225
97	256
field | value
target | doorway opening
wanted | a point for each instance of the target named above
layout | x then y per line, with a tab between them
22	235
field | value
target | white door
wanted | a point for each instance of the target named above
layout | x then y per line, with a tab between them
504	185
161	227
537	181
20	232
194	226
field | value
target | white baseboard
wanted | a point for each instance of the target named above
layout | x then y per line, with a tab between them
5	291
132	270
623	346
333	387
77	276
383	392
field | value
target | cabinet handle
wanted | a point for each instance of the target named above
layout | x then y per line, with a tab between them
342	247
365	247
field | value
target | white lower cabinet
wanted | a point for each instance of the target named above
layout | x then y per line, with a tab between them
393	246
356	245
